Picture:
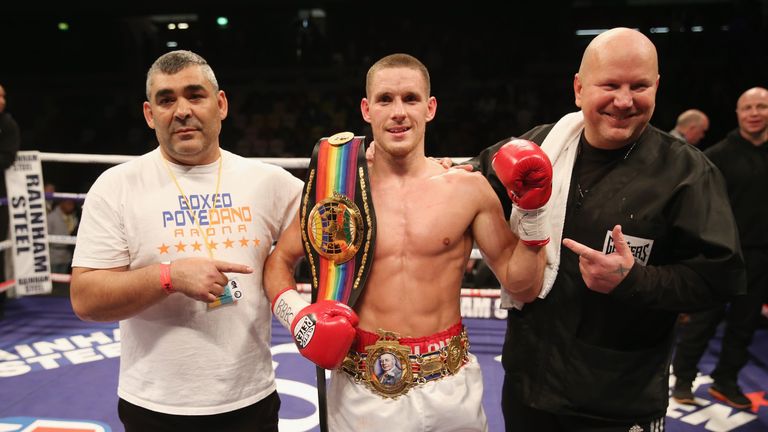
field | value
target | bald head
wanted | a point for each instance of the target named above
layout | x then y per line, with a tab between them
693	125
752	114
691	116
622	40
753	93
616	87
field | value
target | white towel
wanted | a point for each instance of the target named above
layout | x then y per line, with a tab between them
560	145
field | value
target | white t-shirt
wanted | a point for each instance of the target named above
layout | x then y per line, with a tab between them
177	356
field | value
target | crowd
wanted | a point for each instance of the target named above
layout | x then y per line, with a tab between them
305	82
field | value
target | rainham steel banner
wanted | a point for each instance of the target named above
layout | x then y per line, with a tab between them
28	228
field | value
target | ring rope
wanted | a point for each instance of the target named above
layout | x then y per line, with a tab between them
287	163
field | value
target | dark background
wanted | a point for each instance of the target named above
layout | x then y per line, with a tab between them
292	75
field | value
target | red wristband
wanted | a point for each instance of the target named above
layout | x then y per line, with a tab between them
165	277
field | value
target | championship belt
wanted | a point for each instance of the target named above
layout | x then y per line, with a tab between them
390	368
338	225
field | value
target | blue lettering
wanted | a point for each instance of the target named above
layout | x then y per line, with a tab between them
203	217
226	200
167	217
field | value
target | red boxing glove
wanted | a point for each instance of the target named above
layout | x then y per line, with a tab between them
323	331
525	170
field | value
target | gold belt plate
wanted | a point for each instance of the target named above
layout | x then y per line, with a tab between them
335	228
388	365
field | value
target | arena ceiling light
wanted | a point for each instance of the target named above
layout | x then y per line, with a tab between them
178	26
590	32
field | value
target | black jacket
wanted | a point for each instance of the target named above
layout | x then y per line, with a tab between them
579	352
745	168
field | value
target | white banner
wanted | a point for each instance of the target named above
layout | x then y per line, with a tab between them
28	227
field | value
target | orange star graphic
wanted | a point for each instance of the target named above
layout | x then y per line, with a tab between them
228	243
256	242
163	249
244	242
196	245
180	247
758	400
212	245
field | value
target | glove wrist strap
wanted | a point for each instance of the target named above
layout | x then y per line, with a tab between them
286	305
530	225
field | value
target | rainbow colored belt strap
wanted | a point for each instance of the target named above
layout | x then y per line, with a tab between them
338	224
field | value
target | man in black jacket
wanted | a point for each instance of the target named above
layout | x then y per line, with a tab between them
648	233
743	159
9	145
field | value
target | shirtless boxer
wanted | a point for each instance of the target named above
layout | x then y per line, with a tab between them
428	219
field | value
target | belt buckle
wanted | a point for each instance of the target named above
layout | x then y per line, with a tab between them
388	365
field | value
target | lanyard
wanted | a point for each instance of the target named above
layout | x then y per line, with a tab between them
186	200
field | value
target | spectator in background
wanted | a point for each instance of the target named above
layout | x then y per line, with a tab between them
62	220
691	126
10	140
742	157
49	189
9	131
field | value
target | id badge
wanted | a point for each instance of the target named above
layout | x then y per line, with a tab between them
232	293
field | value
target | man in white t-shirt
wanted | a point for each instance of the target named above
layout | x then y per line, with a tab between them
172	245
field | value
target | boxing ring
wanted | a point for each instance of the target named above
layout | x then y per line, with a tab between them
59	372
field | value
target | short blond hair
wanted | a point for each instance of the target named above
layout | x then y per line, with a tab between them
397	61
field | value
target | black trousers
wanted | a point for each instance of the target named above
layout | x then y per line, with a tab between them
519	417
742	315
259	417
